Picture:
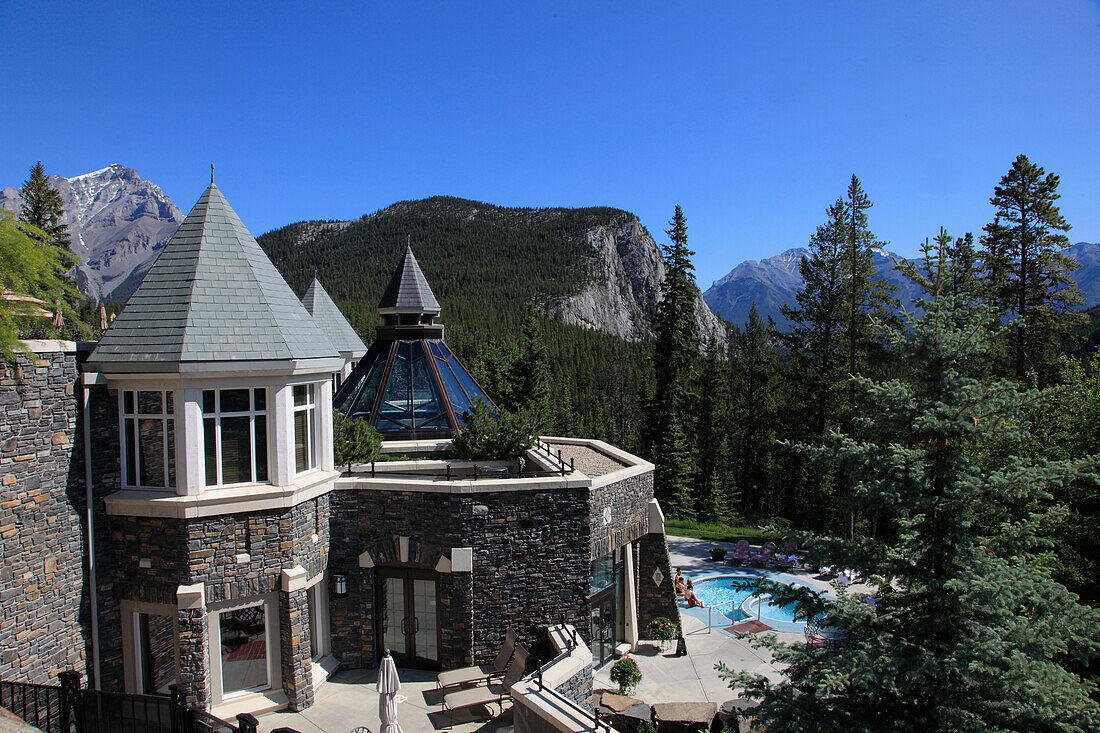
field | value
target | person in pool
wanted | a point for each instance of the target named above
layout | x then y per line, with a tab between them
690	597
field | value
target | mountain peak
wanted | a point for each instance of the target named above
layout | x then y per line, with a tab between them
118	224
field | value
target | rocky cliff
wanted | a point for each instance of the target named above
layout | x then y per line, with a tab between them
118	224
624	285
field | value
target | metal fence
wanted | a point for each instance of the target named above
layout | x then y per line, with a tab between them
37	705
70	708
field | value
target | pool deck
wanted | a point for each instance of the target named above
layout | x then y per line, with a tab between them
349	699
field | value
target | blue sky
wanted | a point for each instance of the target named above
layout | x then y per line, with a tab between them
752	116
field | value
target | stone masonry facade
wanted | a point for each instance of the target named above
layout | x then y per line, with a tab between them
530	564
44	621
532	553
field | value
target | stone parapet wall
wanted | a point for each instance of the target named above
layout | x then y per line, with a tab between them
43	626
628	519
578	688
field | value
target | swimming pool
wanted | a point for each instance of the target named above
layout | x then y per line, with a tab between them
720	589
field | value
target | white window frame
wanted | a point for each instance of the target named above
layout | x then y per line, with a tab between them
317	598
310	408
251	413
133	674
167	397
273	648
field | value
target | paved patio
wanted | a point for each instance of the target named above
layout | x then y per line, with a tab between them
349	700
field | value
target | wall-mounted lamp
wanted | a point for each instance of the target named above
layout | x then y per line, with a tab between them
340	584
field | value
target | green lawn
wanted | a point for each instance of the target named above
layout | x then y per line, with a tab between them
717	532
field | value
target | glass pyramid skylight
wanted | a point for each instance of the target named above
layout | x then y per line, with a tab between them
409	385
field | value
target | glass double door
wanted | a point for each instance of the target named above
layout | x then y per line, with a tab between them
602	626
408	616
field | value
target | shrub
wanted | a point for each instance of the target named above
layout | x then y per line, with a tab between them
489	436
718	554
354	441
663	629
626	675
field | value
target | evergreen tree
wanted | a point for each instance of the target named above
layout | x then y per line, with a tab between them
42	207
868	296
754	389
1028	275
30	269
711	431
675	354
531	374
967	631
815	336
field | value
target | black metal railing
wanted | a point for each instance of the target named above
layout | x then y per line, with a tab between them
474	472
592	715
37	705
69	708
121	712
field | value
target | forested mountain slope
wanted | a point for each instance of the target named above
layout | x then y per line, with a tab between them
593	273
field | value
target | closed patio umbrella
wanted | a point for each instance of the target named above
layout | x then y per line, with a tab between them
388	685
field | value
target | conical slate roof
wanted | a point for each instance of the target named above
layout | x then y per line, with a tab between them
331	321
211	296
408	291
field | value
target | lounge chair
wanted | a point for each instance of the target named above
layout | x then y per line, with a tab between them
787	559
766	557
491	694
481	673
741	554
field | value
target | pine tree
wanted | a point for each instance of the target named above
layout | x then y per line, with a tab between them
1028	275
29	268
42	207
675	354
868	296
815	336
531	374
967	631
754	395
712	428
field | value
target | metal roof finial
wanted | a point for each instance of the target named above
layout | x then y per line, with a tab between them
211	174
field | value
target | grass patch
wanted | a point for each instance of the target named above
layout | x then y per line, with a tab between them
717	532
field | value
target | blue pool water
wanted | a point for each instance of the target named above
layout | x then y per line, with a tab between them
717	590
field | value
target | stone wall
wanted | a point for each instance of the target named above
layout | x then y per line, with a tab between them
42	589
530	565
234	556
578	688
655	600
629	516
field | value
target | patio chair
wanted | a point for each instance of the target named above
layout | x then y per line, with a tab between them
766	556
787	559
741	554
492	694
481	673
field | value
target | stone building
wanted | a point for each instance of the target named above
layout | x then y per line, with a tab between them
170	511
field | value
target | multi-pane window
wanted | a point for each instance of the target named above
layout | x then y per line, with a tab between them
148	439
234	425
305	427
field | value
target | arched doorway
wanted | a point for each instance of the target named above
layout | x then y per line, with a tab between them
407	623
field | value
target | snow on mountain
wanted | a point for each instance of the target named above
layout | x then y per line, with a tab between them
118	224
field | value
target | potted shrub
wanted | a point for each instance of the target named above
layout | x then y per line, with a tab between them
718	554
663	630
626	675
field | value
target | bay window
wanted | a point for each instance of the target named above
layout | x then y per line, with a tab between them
235	436
148	439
